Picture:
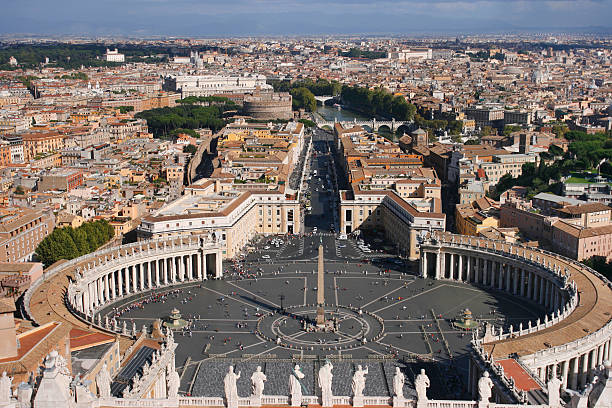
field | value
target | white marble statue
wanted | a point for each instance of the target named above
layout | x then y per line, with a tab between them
257	379
421	383
398	383
229	384
358	384
554	397
103	381
173	382
6	383
325	382
484	387
295	387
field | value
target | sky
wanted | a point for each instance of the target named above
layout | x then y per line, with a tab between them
210	18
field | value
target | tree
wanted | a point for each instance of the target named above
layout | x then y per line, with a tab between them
600	265
307	123
378	102
303	99
70	243
126	109
162	121
487	130
189	149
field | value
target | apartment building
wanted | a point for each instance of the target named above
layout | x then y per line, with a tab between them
503	164
21	230
61	179
577	231
477	216
37	143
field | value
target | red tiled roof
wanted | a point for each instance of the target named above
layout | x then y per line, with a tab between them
82	339
522	379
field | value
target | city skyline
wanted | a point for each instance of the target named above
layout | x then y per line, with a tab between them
143	18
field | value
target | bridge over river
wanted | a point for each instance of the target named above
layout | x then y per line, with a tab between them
373	124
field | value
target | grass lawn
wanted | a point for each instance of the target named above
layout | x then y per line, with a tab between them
574	179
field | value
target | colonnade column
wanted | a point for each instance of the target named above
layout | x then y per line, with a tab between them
120	281
460	272
204	266
500	277
516	278
547	283
574	374
149	274
112	285
219	260
165	262
126	275
522	282
529	285
423	265
172	269
107	288
141	275
452	267
189	267
468	271
593	364
157	274
508	278
565	373
541	288
134	279
585	369
181	267
600	353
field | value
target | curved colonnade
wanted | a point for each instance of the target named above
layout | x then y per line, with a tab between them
570	342
106	276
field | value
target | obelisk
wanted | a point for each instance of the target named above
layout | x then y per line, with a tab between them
321	290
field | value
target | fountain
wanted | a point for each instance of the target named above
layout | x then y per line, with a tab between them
466	321
175	322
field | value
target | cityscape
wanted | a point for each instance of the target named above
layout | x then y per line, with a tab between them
209	206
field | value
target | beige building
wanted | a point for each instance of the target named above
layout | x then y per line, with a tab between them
400	219
21	230
37	143
233	216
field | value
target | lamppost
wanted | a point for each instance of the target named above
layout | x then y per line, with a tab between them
282	297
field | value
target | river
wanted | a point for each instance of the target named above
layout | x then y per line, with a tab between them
330	112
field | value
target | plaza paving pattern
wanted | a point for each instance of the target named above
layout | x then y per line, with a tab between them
224	315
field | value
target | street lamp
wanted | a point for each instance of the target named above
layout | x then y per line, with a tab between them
282	297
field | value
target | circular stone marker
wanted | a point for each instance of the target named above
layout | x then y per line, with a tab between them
295	328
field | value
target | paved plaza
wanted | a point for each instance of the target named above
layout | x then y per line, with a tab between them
415	315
